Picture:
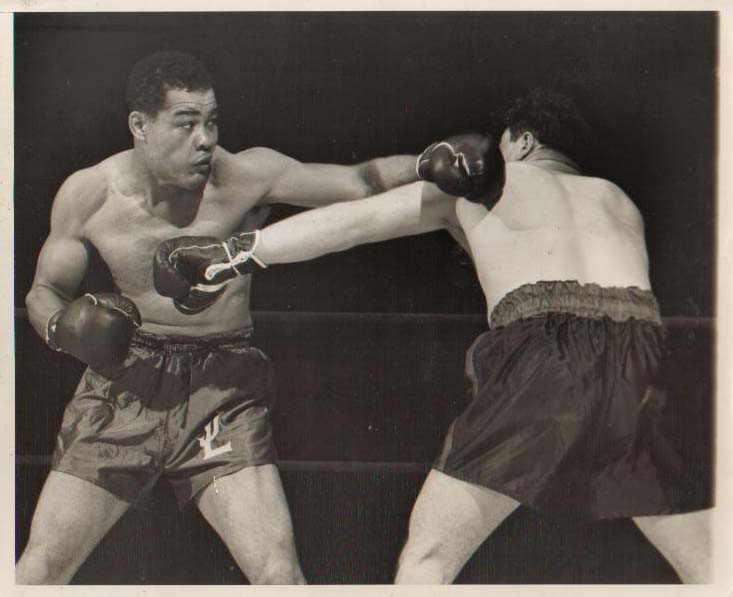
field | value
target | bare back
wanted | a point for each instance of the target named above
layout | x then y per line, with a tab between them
552	225
126	232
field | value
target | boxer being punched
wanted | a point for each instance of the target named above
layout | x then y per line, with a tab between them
562	381
175	390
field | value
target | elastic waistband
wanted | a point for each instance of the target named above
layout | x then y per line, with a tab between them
177	343
583	300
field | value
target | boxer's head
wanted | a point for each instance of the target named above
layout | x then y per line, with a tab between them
173	117
543	118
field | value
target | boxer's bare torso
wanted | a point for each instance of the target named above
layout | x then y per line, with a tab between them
117	216
553	224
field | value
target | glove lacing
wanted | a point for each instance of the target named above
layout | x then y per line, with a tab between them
238	259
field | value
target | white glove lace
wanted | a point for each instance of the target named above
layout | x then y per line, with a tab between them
235	260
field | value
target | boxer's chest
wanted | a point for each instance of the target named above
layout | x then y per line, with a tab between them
127	235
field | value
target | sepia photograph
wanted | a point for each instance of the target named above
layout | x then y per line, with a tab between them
365	297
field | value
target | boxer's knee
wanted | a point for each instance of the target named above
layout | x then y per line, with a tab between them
42	565
277	567
696	572
684	540
424	562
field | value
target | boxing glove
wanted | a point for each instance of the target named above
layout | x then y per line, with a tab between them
95	328
469	166
194	270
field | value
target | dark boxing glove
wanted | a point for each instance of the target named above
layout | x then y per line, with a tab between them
95	328
194	270
469	166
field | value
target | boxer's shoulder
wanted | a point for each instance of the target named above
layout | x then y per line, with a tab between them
586	192
614	200
254	162
598	199
519	167
82	194
250	169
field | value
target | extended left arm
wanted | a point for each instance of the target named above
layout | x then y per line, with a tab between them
314	185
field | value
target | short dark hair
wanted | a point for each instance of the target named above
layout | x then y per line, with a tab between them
553	118
160	72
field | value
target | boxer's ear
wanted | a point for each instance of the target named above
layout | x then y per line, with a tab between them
527	142
137	121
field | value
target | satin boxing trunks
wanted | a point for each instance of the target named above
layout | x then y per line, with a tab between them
188	408
564	405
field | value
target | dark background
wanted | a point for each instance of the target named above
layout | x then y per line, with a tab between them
344	87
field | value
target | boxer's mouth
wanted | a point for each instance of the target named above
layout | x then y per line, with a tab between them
203	164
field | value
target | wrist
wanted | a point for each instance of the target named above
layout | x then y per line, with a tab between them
50	330
240	250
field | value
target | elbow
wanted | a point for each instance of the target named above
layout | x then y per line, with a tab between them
353	236
34	301
371	179
31	305
30	299
363	189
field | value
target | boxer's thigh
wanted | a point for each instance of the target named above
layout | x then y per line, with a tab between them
71	517
248	509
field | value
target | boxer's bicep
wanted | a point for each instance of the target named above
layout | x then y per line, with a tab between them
317	185
59	273
62	264
287	180
64	257
408	210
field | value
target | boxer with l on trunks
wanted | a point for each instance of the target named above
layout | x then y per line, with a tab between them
563	379
172	389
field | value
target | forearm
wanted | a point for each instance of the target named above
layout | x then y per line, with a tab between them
312	234
383	174
338	227
41	303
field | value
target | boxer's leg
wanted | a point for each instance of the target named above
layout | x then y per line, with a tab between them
249	512
71	517
684	539
450	520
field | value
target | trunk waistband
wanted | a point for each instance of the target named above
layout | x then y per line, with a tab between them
583	300
179	343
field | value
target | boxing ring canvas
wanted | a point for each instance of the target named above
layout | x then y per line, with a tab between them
369	343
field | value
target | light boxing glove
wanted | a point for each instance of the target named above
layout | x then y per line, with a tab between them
95	328
469	166
194	270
